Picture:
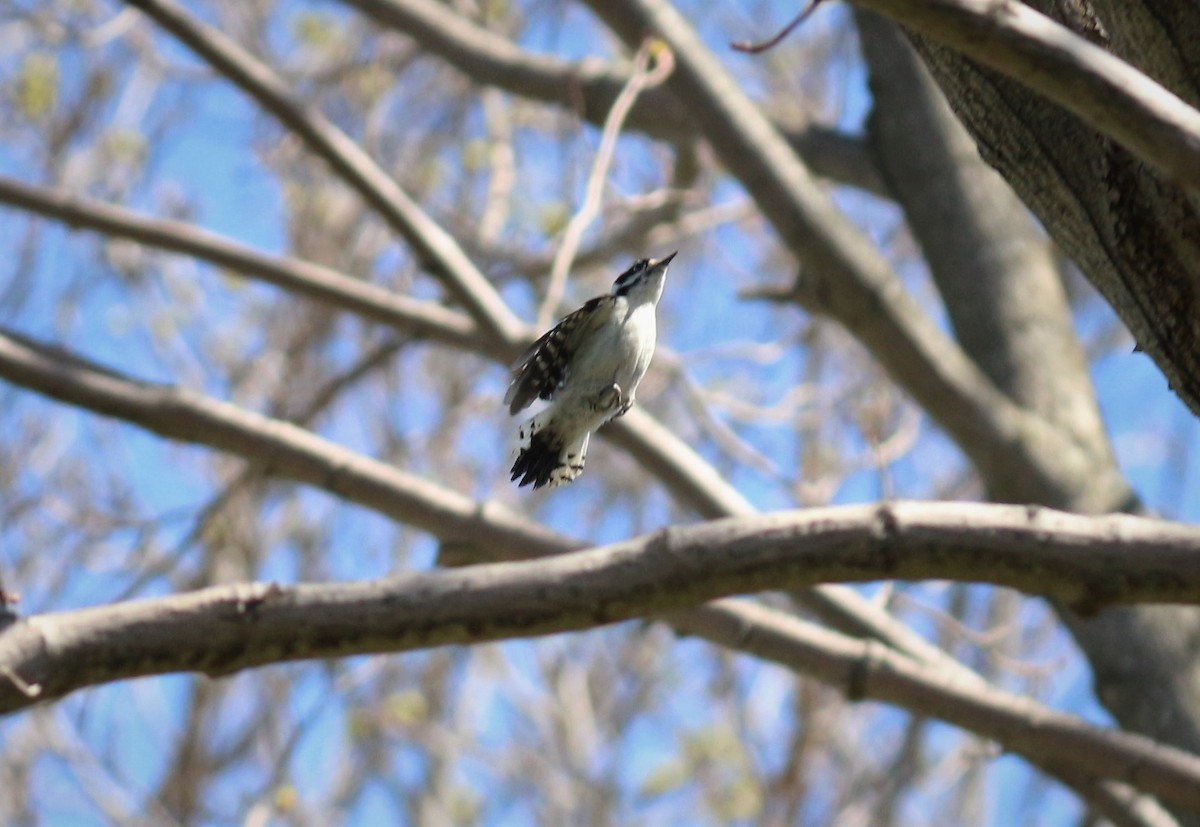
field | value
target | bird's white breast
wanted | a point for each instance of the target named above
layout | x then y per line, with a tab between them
637	345
617	353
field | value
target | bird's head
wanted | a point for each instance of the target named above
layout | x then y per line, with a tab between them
644	280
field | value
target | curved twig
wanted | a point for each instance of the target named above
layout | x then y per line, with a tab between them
643	77
433	245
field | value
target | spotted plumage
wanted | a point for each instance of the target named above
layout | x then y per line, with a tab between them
543	368
588	366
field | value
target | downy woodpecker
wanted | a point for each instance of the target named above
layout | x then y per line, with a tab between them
588	366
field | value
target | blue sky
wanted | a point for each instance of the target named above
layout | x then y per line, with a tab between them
208	157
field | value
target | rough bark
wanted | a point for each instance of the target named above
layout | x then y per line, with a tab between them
1132	232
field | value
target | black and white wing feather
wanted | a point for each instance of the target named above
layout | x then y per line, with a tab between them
542	369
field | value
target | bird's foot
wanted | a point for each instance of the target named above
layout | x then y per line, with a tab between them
610	399
613	400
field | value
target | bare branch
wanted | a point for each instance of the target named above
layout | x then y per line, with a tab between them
845	277
1103	90
418	318
288	451
437	249
1049	739
1087	561
285	450
664	455
225	629
592	86
282	449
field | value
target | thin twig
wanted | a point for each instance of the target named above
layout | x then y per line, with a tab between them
29	690
759	48
643	77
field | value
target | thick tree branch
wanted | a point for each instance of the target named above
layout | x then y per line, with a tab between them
291	452
285	450
1087	561
436	248
1004	297
278	447
226	629
992	266
591	86
658	449
1049	739
845	277
1129	227
486	306
1100	88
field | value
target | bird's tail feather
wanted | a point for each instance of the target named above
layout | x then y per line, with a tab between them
544	457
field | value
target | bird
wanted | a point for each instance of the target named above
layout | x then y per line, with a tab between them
588	366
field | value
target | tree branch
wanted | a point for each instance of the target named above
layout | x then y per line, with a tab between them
419	318
1100	88
992	266
591	87
282	449
289	451
1047	738
1089	562
845	277
435	247
225	629
658	449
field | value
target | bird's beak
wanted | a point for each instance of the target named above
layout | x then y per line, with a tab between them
663	262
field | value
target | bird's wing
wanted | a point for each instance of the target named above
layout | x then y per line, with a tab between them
542	369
